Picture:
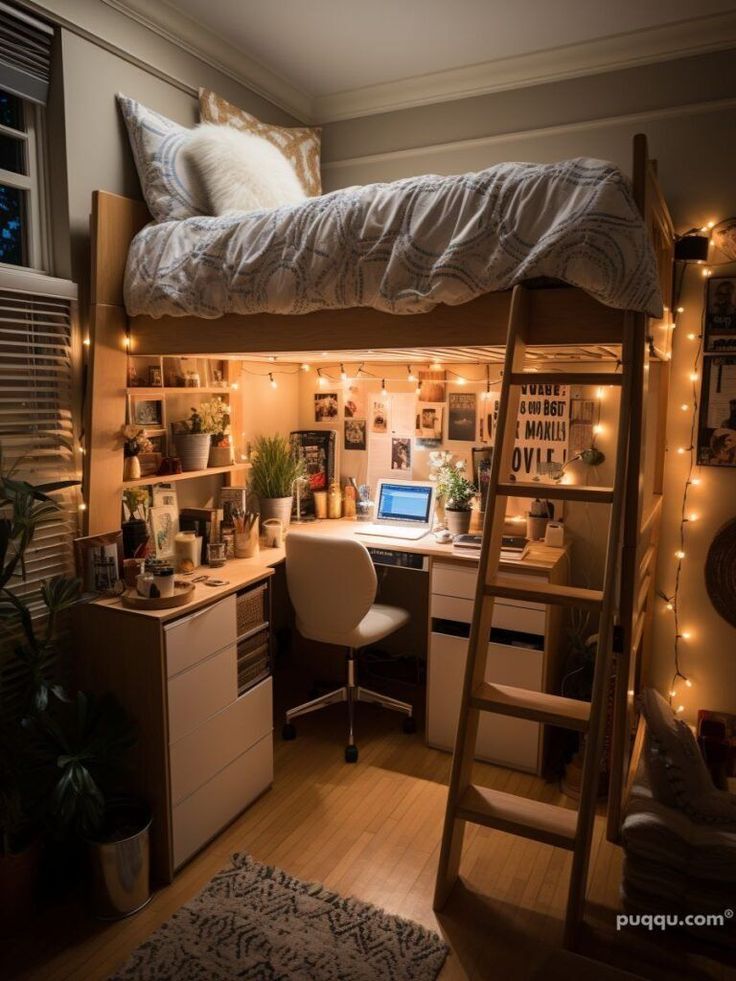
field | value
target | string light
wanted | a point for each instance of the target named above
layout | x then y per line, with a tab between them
87	341
679	554
320	378
343	373
384	393
82	506
235	386
306	367
274	383
410	375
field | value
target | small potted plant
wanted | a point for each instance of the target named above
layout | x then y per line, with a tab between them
216	421
192	442
456	492
134	441
274	469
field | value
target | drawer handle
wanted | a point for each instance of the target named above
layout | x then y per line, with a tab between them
192	616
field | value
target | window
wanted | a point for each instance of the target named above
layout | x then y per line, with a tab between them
25	58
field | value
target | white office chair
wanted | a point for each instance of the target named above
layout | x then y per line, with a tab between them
332	585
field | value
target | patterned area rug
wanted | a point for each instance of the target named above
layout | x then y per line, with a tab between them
254	921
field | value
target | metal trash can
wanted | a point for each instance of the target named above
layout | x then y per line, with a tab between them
120	861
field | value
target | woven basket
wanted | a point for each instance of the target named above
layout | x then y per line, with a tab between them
251	609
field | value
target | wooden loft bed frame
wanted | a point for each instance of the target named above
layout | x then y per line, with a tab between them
560	317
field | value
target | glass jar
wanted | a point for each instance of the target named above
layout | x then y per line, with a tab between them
334	501
163	580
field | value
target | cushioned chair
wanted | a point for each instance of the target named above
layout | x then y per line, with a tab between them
332	585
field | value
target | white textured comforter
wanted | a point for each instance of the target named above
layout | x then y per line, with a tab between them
404	247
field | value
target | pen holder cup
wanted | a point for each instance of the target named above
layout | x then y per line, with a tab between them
246	543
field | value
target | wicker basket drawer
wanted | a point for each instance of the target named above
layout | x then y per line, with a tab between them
251	609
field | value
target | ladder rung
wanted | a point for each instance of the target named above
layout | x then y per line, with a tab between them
558	492
565	378
519	816
589	599
538	706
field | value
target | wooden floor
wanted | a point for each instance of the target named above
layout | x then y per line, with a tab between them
372	830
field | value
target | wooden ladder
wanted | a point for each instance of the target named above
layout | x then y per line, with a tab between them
544	822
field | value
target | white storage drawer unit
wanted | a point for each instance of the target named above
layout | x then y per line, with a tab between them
515	657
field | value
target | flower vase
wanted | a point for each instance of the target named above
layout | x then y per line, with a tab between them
131	468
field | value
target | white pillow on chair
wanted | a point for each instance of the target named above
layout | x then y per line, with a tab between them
241	171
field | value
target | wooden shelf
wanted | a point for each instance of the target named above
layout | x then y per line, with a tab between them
176	390
187	475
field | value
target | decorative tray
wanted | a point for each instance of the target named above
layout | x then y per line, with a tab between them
183	592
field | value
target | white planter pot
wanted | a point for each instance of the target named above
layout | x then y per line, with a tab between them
458	522
276	507
193	449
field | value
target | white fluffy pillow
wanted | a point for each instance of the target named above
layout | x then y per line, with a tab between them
241	171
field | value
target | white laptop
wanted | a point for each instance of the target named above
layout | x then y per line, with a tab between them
404	509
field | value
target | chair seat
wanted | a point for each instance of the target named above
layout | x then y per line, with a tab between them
379	622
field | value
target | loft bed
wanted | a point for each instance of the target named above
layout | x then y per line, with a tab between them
566	323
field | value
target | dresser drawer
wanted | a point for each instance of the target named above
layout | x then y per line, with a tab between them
195	637
198	693
454	580
197	757
199	817
506	616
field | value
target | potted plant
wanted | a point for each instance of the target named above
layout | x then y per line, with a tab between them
192	442
216	421
456	492
32	642
134	441
274	469
135	527
81	744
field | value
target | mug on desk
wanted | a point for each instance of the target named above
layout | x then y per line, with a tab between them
273	529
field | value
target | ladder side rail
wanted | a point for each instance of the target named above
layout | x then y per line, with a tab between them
493	527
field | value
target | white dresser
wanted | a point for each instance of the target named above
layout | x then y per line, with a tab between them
523	651
197	683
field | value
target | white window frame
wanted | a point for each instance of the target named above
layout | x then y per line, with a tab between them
34	183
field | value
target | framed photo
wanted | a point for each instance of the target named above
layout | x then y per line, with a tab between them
461	416
147	412
150	462
717	427
237	496
482	459
98	560
353	400
429	420
317	447
155	378
355	438
164	528
164	496
401	453
720	314
326	406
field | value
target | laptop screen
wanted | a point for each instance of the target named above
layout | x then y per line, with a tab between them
404	502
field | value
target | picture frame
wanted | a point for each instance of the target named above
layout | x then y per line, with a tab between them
164	522
155	377
462	416
326	407
98	562
717	421
355	434
720	315
482	457
317	448
164	495
147	412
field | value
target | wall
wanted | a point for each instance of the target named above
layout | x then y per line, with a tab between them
687	108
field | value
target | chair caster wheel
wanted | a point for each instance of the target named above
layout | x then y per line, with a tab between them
288	732
351	754
409	725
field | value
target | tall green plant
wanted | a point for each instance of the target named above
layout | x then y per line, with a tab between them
275	466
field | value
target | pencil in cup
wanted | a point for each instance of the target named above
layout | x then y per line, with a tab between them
245	535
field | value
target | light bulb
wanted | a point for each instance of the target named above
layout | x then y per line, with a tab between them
322	381
598	429
688	683
681	309
680	450
673	693
684	406
679	554
235	386
272	357
436	366
82	506
680	709
691	336
305	367
710	224
599	392
274	383
686	635
384	393
706	272
126	341
696	481
411	376
343	373
418	390
670	606
692	517
87	341
460	380
693	376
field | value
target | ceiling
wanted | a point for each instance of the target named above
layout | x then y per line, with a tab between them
331	59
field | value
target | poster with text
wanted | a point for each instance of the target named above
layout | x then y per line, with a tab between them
720	314
542	430
461	416
717	429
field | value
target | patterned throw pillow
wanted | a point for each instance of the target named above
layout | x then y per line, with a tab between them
300	145
169	183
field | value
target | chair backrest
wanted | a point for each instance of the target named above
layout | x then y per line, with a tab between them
332	583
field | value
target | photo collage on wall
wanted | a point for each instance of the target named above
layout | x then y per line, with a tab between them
717	424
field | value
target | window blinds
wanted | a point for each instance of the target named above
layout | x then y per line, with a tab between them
37	431
25	53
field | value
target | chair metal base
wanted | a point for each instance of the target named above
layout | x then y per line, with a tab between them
350	693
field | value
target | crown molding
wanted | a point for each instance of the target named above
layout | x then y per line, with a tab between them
627	50
196	39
